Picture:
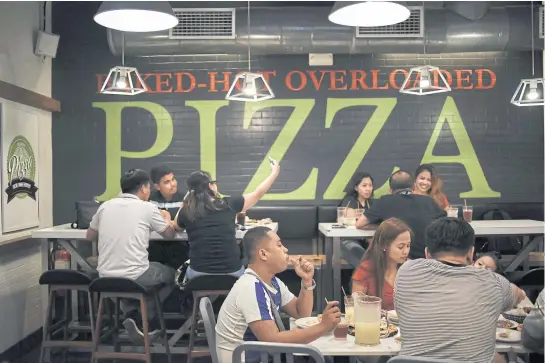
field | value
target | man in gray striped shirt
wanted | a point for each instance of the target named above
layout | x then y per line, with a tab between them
447	308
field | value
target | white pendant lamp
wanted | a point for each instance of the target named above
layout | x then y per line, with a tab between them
123	80
254	87
425	80
368	13
136	16
530	92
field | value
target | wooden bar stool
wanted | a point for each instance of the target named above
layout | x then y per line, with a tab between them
205	286
64	281
120	288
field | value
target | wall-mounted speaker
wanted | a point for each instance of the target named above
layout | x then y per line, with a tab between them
46	44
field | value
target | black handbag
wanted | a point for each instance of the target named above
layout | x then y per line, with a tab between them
85	210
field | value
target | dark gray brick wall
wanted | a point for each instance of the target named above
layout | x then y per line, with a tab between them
508	140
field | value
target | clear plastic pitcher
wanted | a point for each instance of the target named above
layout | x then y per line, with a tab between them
368	315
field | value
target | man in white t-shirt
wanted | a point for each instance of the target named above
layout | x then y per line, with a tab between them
250	311
122	227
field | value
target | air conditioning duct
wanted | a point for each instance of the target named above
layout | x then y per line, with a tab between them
303	30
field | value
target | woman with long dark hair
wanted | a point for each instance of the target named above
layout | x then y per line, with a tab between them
209	221
427	182
360	192
377	271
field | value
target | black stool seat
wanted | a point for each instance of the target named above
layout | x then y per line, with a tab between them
210	282
534	277
121	284
64	277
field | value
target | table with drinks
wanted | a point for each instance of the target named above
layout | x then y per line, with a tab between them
331	235
360	332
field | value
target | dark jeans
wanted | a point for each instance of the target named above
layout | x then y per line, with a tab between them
156	274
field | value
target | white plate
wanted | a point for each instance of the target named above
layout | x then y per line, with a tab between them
513	324
307	322
514	336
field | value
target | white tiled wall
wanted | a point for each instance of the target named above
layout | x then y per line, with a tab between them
20	300
20	261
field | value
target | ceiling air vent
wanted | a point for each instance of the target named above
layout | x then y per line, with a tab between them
410	28
204	24
541	22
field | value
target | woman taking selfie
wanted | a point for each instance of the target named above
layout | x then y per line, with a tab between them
377	271
209	221
427	182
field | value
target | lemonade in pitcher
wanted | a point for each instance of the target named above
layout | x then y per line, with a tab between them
367	333
368	315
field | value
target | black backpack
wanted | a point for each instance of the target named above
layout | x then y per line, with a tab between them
502	244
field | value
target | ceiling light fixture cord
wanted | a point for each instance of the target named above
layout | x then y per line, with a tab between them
532	33
423	12
122	48
249	42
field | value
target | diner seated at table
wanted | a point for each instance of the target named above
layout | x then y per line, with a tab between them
417	211
533	326
122	227
427	182
359	195
209	220
447	308
251	310
165	196
489	261
377	271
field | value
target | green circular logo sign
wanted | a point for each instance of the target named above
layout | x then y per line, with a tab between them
21	165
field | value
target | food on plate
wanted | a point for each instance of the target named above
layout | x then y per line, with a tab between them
519	328
397	338
504	334
527	309
385	330
263	221
307	322
506	324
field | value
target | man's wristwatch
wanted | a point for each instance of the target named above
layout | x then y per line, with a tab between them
309	288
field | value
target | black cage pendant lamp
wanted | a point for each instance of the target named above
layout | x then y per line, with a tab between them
122	80
530	92
254	87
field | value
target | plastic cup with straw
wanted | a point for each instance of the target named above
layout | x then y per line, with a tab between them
467	212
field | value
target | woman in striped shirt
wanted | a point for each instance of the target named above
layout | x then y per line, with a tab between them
378	268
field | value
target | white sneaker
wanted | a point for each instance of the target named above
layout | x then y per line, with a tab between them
136	335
